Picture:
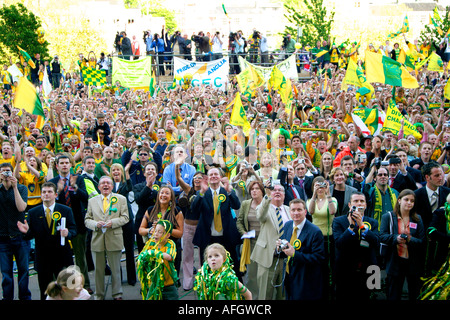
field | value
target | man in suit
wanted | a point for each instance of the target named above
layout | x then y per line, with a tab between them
44	225
105	216
272	215
303	278
429	198
71	191
217	224
353	179
291	190
399	177
304	180
415	173
90	179
356	242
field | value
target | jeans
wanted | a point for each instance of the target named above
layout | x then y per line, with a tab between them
20	249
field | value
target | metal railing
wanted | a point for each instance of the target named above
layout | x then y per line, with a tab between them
162	63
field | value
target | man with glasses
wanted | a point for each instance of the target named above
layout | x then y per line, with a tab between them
380	197
137	166
272	215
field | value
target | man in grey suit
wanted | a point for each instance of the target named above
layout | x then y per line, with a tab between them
272	214
106	214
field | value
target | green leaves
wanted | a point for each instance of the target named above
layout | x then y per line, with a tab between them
315	20
18	28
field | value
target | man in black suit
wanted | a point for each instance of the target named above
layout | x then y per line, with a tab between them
428	199
415	173
356	241
301	167
399	177
354	179
71	191
44	225
291	190
305	249
217	223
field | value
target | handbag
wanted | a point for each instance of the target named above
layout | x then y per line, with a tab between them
384	248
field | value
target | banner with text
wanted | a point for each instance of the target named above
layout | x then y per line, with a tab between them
134	74
213	73
287	67
393	123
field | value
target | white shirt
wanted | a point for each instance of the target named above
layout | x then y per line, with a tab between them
430	193
216	46
52	208
283	212
299	227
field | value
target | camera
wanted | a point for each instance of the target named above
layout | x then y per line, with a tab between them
288	153
322	184
447	146
384	163
403	236
284	244
138	144
7	173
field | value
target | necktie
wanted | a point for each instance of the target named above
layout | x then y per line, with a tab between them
217	215
391	181
66	191
434	201
48	216
105	204
280	222
293	237
293	191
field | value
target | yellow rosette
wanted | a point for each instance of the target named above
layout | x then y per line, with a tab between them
243	186
297	244
55	217
155	187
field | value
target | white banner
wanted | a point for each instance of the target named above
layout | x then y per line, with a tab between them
287	67
213	73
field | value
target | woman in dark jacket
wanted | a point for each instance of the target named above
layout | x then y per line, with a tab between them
403	233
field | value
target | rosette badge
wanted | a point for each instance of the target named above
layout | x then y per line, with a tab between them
55	217
297	244
222	198
113	201
155	187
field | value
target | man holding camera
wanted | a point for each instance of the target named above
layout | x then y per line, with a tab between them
399	178
304	246
13	203
356	241
272	215
56	72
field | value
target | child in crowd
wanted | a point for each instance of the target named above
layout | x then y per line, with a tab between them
216	280
157	260
68	286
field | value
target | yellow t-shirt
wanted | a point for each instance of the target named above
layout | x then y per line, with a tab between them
33	185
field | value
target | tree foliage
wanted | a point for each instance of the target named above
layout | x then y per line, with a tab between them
18	27
430	32
155	8
316	21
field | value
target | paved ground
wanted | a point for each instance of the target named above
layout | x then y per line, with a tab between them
129	292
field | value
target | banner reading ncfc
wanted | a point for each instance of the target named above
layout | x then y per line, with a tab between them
392	123
213	73
134	74
287	67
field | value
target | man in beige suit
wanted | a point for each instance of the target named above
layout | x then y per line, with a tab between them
105	216
272	214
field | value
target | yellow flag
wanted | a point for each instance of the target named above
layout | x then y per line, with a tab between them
392	123
238	116
447	91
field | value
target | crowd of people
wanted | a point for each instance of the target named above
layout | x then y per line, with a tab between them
302	206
